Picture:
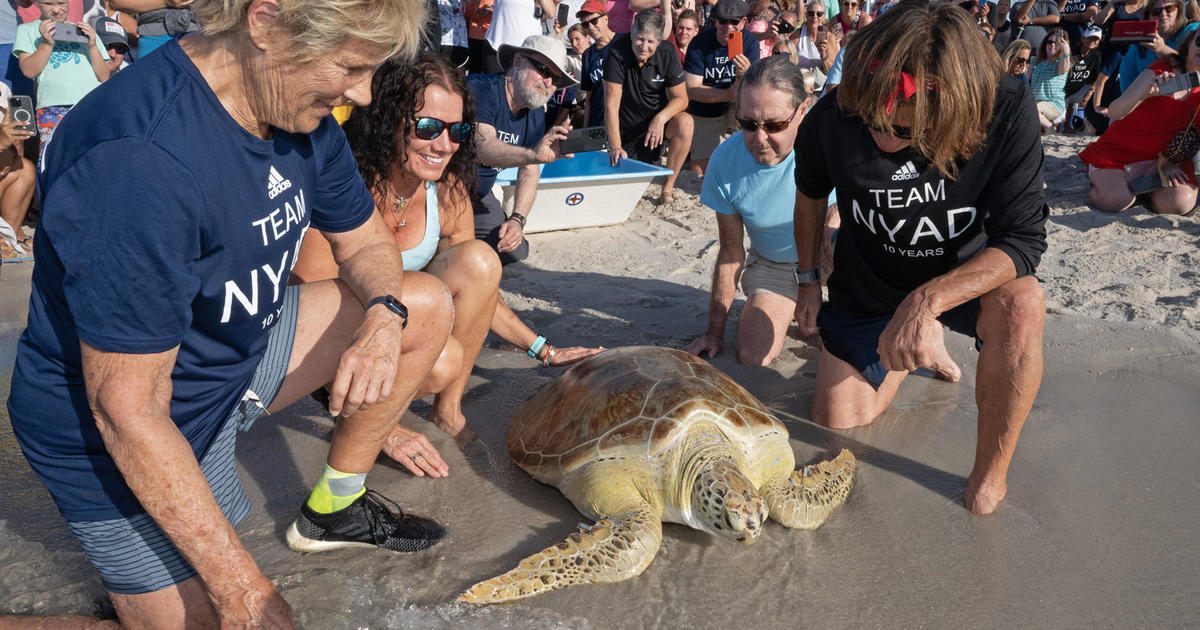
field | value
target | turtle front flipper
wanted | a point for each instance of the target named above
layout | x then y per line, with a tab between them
804	499
612	550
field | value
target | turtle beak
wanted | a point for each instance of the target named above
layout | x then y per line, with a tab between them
745	517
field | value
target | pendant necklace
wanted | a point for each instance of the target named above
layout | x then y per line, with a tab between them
398	204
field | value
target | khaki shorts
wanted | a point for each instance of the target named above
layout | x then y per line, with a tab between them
760	275
709	133
1048	110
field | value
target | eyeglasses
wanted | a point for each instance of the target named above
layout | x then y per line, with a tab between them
1021	61
591	21
849	4
1157	11
428	128
542	69
815	13
730	22
770	126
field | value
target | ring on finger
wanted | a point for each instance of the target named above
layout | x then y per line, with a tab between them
414	456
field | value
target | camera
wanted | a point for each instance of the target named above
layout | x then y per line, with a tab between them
678	4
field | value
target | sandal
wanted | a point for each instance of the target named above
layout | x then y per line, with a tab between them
668	196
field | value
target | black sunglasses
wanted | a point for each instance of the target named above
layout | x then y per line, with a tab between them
541	68
1157	11
784	27
770	126
591	22
904	133
815	13
730	22
428	128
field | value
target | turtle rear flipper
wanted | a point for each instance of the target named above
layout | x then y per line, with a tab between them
612	550
807	497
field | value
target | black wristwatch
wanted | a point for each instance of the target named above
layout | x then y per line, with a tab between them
394	306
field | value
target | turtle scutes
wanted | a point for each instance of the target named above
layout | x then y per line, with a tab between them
641	435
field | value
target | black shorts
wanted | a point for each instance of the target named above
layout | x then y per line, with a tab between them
854	338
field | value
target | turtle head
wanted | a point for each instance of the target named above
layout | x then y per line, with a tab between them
725	503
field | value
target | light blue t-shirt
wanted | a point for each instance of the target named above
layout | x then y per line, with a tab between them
764	196
68	74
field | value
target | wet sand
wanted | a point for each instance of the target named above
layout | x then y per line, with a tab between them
1097	530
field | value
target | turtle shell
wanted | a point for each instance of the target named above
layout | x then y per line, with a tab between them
627	402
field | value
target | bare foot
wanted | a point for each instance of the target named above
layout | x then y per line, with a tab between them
944	367
983	498
414	451
455	425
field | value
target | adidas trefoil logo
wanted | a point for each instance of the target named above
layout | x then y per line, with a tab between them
908	171
277	183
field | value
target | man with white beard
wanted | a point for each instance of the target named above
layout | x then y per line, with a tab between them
510	121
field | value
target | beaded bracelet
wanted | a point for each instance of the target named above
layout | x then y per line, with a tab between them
519	218
549	355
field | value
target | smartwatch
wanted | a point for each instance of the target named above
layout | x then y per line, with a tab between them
806	276
394	306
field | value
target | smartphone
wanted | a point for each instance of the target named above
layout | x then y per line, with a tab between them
1146	183
68	32
1180	82
735	44
564	13
20	108
585	139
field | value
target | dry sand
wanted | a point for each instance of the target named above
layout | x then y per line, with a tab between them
1097	530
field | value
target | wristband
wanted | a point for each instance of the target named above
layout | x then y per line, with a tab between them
536	347
549	355
394	306
519	218
806	276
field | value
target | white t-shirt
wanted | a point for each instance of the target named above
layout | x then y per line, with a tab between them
512	22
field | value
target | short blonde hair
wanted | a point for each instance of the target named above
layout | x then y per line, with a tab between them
319	26
956	73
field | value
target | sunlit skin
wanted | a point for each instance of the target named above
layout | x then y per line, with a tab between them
685	30
532	89
644	46
767	104
579	42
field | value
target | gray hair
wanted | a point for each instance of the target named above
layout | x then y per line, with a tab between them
316	27
647	22
778	72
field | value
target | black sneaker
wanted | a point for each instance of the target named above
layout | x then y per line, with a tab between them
368	522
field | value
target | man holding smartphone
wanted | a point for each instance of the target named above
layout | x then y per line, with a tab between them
711	74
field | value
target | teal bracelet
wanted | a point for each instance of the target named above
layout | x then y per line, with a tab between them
536	347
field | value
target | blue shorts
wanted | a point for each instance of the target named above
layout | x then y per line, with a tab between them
854	338
132	554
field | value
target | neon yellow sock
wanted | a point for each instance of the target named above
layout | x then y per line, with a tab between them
336	490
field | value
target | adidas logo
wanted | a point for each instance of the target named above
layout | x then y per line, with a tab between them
276	183
908	171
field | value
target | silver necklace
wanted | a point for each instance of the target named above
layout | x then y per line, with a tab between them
398	203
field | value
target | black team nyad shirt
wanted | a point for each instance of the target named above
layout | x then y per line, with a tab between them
903	222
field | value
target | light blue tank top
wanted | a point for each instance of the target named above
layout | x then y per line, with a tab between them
416	258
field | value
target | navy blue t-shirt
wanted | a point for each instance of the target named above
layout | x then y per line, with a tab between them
708	59
524	128
593	83
192	250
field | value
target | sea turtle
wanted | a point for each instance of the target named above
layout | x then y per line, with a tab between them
640	435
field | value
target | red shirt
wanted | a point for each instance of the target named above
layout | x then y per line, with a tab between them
1144	132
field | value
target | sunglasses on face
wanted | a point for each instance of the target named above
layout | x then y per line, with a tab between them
815	13
430	128
541	68
770	126
729	22
849	4
1021	61
904	133
1157	11
591	21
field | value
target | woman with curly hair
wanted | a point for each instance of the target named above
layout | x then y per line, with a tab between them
415	148
1049	78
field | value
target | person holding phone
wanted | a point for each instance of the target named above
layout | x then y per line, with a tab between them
716	59
1137	142
78	67
17	176
1173	28
815	48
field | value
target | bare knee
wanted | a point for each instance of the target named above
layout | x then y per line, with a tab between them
1014	312
430	304
758	357
845	417
1109	201
481	262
